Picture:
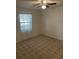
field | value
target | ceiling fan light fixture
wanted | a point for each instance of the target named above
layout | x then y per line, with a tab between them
43	6
44	2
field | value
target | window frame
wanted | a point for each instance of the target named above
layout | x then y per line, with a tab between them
24	22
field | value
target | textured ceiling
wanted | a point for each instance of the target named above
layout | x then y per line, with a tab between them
30	3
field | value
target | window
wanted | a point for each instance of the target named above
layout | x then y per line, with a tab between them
25	22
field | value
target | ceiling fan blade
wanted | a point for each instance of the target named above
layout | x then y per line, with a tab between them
47	6
36	4
51	3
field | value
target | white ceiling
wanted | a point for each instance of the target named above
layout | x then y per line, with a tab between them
30	3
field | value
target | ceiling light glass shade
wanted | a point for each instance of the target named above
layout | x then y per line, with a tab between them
43	6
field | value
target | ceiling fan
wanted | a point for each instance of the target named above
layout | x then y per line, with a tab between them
44	4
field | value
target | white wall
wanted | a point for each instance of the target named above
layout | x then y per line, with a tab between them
52	22
48	22
36	30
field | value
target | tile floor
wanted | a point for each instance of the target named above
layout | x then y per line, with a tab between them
41	47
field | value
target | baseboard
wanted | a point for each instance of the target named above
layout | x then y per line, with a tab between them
38	36
51	37
29	38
